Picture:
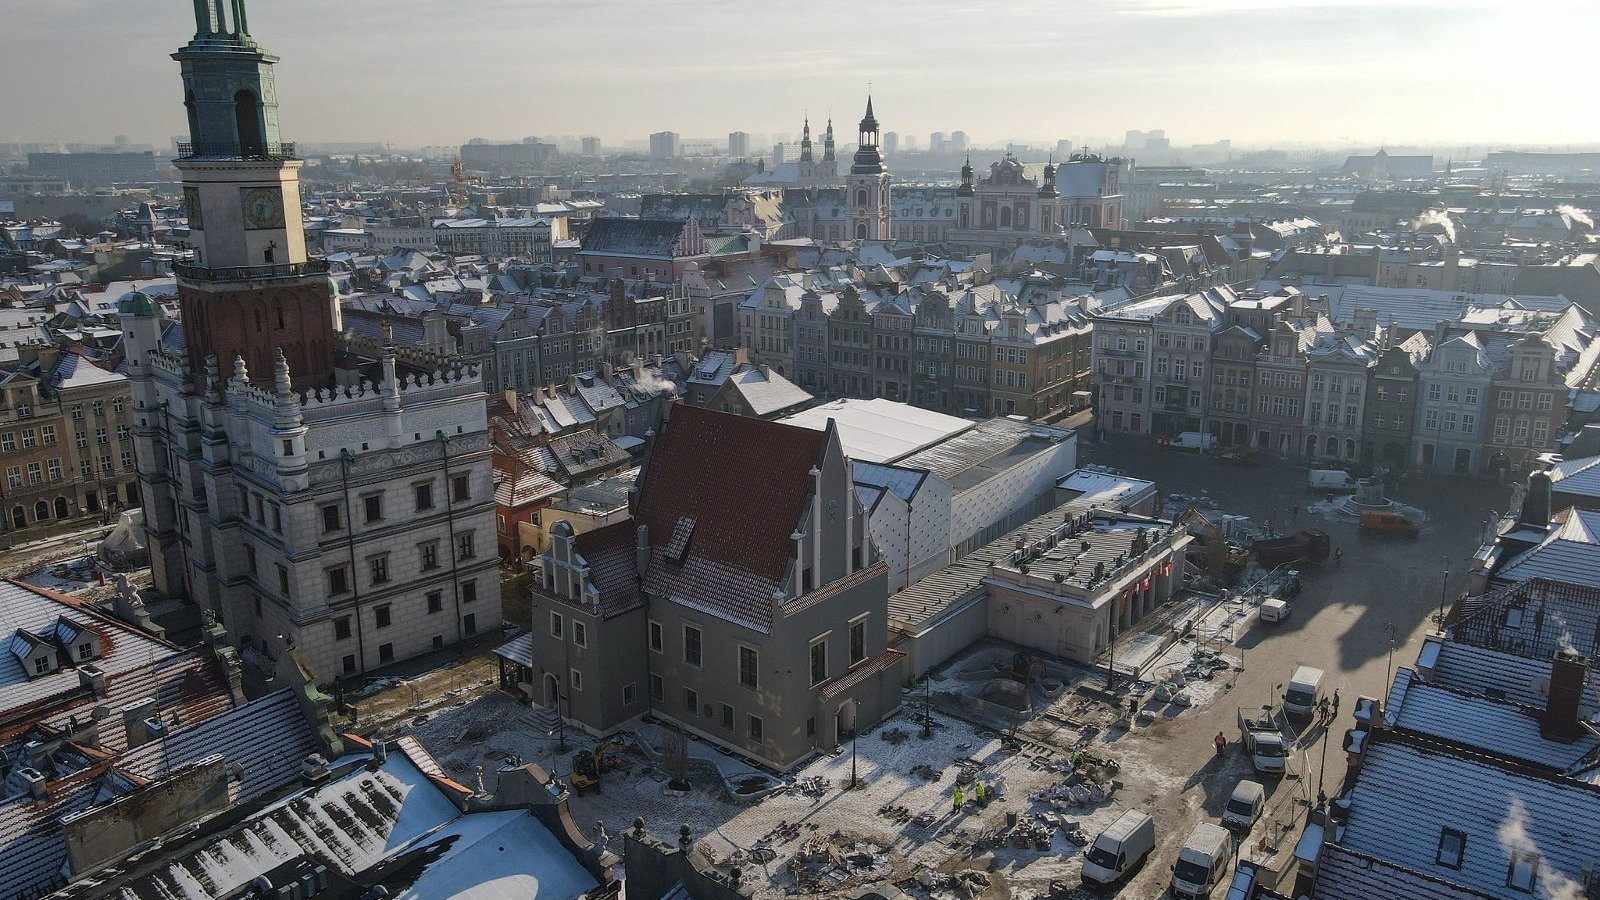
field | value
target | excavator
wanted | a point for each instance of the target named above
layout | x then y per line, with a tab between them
588	765
1212	553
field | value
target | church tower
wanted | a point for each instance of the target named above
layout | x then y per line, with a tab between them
807	167
830	162
251	291
867	186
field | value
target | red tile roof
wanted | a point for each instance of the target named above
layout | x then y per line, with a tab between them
745	483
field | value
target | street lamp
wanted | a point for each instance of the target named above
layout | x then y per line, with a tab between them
1444	589
1388	672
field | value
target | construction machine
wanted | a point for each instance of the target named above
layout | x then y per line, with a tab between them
1213	554
587	766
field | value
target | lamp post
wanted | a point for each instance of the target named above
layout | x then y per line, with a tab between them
1388	672
1444	590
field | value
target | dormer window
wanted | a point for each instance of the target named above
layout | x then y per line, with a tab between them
41	665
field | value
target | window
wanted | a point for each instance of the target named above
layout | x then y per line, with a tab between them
1505	399
858	641
331	520
424	494
374	507
382	616
341	628
283	581
727	717
1470	394
630	693
819	662
691	645
580	634
557	625
1524	400
1545	403
429	554
116	405
749	668
250	558
53	469
338	581
755	728
349	663
80	438
461	488
385	653
469	591
77	412
100	437
691	700
48	433
655	636
1523	872
435	601
464	546
655	687
379	566
575	679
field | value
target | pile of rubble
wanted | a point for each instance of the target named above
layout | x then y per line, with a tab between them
966	884
827	865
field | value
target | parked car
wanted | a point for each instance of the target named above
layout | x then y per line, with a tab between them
1388	523
1304	692
1120	848
1245	805
1202	862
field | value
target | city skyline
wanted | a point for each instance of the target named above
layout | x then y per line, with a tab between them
481	67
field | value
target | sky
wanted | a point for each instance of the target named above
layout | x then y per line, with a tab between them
415	72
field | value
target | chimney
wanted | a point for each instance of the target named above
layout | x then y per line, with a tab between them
37	788
641	549
92	677
1536	504
133	721
1568	671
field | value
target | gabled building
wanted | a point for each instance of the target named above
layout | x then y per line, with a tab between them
743	599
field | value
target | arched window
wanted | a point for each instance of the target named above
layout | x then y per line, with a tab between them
41	511
247	120
1311	445
1333	446
19	518
861	231
861	196
61	507
1005	217
1349	449
1022	217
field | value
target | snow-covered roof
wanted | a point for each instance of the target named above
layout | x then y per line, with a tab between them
879	430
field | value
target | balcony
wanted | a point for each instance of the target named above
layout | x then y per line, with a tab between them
218	150
191	272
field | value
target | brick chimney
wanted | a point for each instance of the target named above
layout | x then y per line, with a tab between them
1568	670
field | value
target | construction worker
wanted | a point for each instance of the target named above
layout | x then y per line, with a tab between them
1221	743
982	794
959	798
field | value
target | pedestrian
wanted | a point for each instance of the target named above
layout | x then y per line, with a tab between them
960	798
1322	709
1336	704
982	794
1221	742
1338	555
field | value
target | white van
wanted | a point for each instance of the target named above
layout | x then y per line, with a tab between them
1202	863
1244	807
1194	440
1120	848
1304	692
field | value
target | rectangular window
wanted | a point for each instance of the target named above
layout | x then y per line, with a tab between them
691	645
379	567
374	507
749	668
331	520
1524	400
1545	403
727	717
469	591
655	636
858	641
557	625
691	700
1505	399
100	437
1523	872
250	558
53	469
429	554
385	653
580	634
48	433
1452	848
382	616
656	687
464	546
461	488
341	628
575	679
630	693
338	581
755	728
283	581
349	663
80	438
424	493
469	623
819	662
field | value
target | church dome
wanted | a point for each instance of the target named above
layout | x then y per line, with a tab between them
137	303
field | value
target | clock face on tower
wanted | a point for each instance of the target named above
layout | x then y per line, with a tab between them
263	207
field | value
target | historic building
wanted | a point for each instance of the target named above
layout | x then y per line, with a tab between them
313	498
867	186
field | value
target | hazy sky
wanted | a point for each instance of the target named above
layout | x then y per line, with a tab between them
441	71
